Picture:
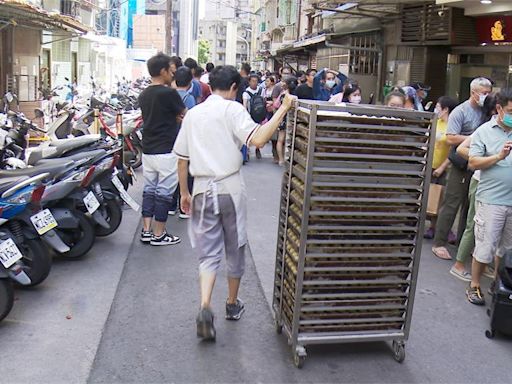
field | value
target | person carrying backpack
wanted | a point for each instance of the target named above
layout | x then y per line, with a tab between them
183	81
254	102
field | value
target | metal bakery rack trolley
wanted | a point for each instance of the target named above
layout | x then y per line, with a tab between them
352	214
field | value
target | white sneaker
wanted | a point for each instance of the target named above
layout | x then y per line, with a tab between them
165	239
172	213
183	216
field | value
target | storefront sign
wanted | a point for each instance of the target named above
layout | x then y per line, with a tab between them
494	30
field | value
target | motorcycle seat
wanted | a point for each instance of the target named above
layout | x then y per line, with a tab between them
59	147
75	141
53	169
76	157
9	182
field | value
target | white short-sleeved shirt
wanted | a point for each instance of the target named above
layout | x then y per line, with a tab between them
249	92
212	135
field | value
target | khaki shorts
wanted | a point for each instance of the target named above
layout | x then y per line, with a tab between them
493	231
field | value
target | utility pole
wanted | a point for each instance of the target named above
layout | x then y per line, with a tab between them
168	28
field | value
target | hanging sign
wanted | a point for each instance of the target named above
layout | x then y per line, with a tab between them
494	30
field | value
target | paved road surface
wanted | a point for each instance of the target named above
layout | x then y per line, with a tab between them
133	309
150	333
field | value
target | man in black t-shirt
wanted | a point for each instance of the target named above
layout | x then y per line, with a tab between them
305	90
162	110
245	71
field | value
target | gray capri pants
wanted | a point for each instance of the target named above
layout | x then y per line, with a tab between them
216	234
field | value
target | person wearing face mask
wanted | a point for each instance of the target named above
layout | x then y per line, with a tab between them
445	105
422	91
467	242
463	121
324	84
490	153
352	94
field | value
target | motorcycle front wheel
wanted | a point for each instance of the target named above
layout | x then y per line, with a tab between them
6	298
80	240
137	161
37	262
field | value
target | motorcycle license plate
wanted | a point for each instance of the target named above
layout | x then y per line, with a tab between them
124	195
91	202
43	221
9	253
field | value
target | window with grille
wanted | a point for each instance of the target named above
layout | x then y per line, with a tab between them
362	60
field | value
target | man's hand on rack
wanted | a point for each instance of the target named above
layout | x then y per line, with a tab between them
289	101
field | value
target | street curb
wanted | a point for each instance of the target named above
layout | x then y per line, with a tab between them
123	272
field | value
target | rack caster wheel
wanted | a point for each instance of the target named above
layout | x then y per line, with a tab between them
299	357
490	333
399	351
279	327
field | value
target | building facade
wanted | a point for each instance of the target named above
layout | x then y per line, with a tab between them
443	43
227	27
185	19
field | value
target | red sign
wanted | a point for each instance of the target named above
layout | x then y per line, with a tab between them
495	29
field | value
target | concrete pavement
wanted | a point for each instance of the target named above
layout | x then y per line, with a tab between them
54	330
133	313
150	335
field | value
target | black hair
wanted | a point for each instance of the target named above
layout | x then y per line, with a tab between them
272	79
348	90
176	60
394	94
183	77
223	77
209	67
300	74
246	68
504	97
157	63
448	102
198	71
490	102
191	63
254	76
291	84
308	72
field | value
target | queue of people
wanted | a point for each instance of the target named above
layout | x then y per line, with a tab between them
196	124
193	137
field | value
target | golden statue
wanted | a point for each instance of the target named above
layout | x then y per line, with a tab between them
497	31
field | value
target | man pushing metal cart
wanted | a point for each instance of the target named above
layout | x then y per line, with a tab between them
351	220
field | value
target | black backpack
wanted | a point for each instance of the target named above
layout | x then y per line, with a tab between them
257	106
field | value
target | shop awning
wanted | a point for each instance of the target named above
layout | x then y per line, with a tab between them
23	14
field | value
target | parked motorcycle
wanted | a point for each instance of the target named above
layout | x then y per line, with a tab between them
19	214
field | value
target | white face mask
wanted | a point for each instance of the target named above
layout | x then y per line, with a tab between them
330	83
481	99
355	99
438	111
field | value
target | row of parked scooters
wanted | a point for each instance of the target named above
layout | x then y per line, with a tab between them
71	192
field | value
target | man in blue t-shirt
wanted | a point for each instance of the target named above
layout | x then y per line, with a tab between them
195	89
491	145
183	79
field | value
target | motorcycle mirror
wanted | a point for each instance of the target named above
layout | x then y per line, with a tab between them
66	79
